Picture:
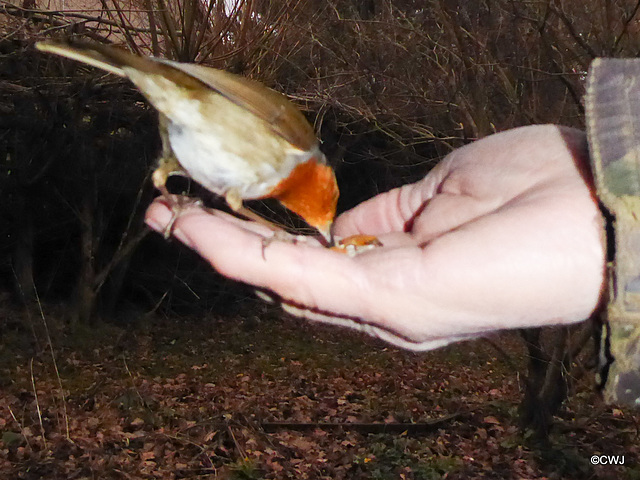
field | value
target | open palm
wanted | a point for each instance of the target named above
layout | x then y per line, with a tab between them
503	233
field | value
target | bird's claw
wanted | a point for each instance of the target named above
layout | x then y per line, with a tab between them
178	203
281	236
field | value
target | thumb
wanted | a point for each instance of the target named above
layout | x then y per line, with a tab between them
388	212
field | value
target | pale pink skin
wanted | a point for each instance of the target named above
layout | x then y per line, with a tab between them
506	233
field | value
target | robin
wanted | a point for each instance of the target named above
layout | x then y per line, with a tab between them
236	137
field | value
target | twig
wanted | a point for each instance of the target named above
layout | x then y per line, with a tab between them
35	393
27	308
22	432
203	451
133	382
124	249
46	15
365	428
625	27
506	358
55	365
238	447
572	31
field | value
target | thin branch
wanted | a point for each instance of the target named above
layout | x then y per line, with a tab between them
366	428
572	31
45	16
625	26
35	394
55	366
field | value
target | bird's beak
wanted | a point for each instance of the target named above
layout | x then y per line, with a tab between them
326	233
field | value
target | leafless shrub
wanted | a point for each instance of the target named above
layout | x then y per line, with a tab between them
391	84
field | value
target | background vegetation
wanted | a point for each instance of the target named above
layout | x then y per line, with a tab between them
391	86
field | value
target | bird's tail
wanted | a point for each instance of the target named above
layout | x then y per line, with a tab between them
122	63
106	58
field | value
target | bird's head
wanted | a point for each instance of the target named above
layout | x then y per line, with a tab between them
312	192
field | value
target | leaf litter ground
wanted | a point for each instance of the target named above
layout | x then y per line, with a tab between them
275	398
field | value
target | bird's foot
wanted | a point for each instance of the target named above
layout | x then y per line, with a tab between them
178	204
280	235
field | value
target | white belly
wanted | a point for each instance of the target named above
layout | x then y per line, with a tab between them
250	160
220	145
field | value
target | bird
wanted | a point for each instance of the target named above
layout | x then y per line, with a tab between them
236	137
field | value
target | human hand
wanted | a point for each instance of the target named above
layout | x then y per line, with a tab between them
503	233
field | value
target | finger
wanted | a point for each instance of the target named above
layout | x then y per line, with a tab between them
303	273
470	182
160	213
384	213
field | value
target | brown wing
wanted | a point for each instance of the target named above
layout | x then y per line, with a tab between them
274	108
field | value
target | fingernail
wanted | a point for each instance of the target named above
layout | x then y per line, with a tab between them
154	225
